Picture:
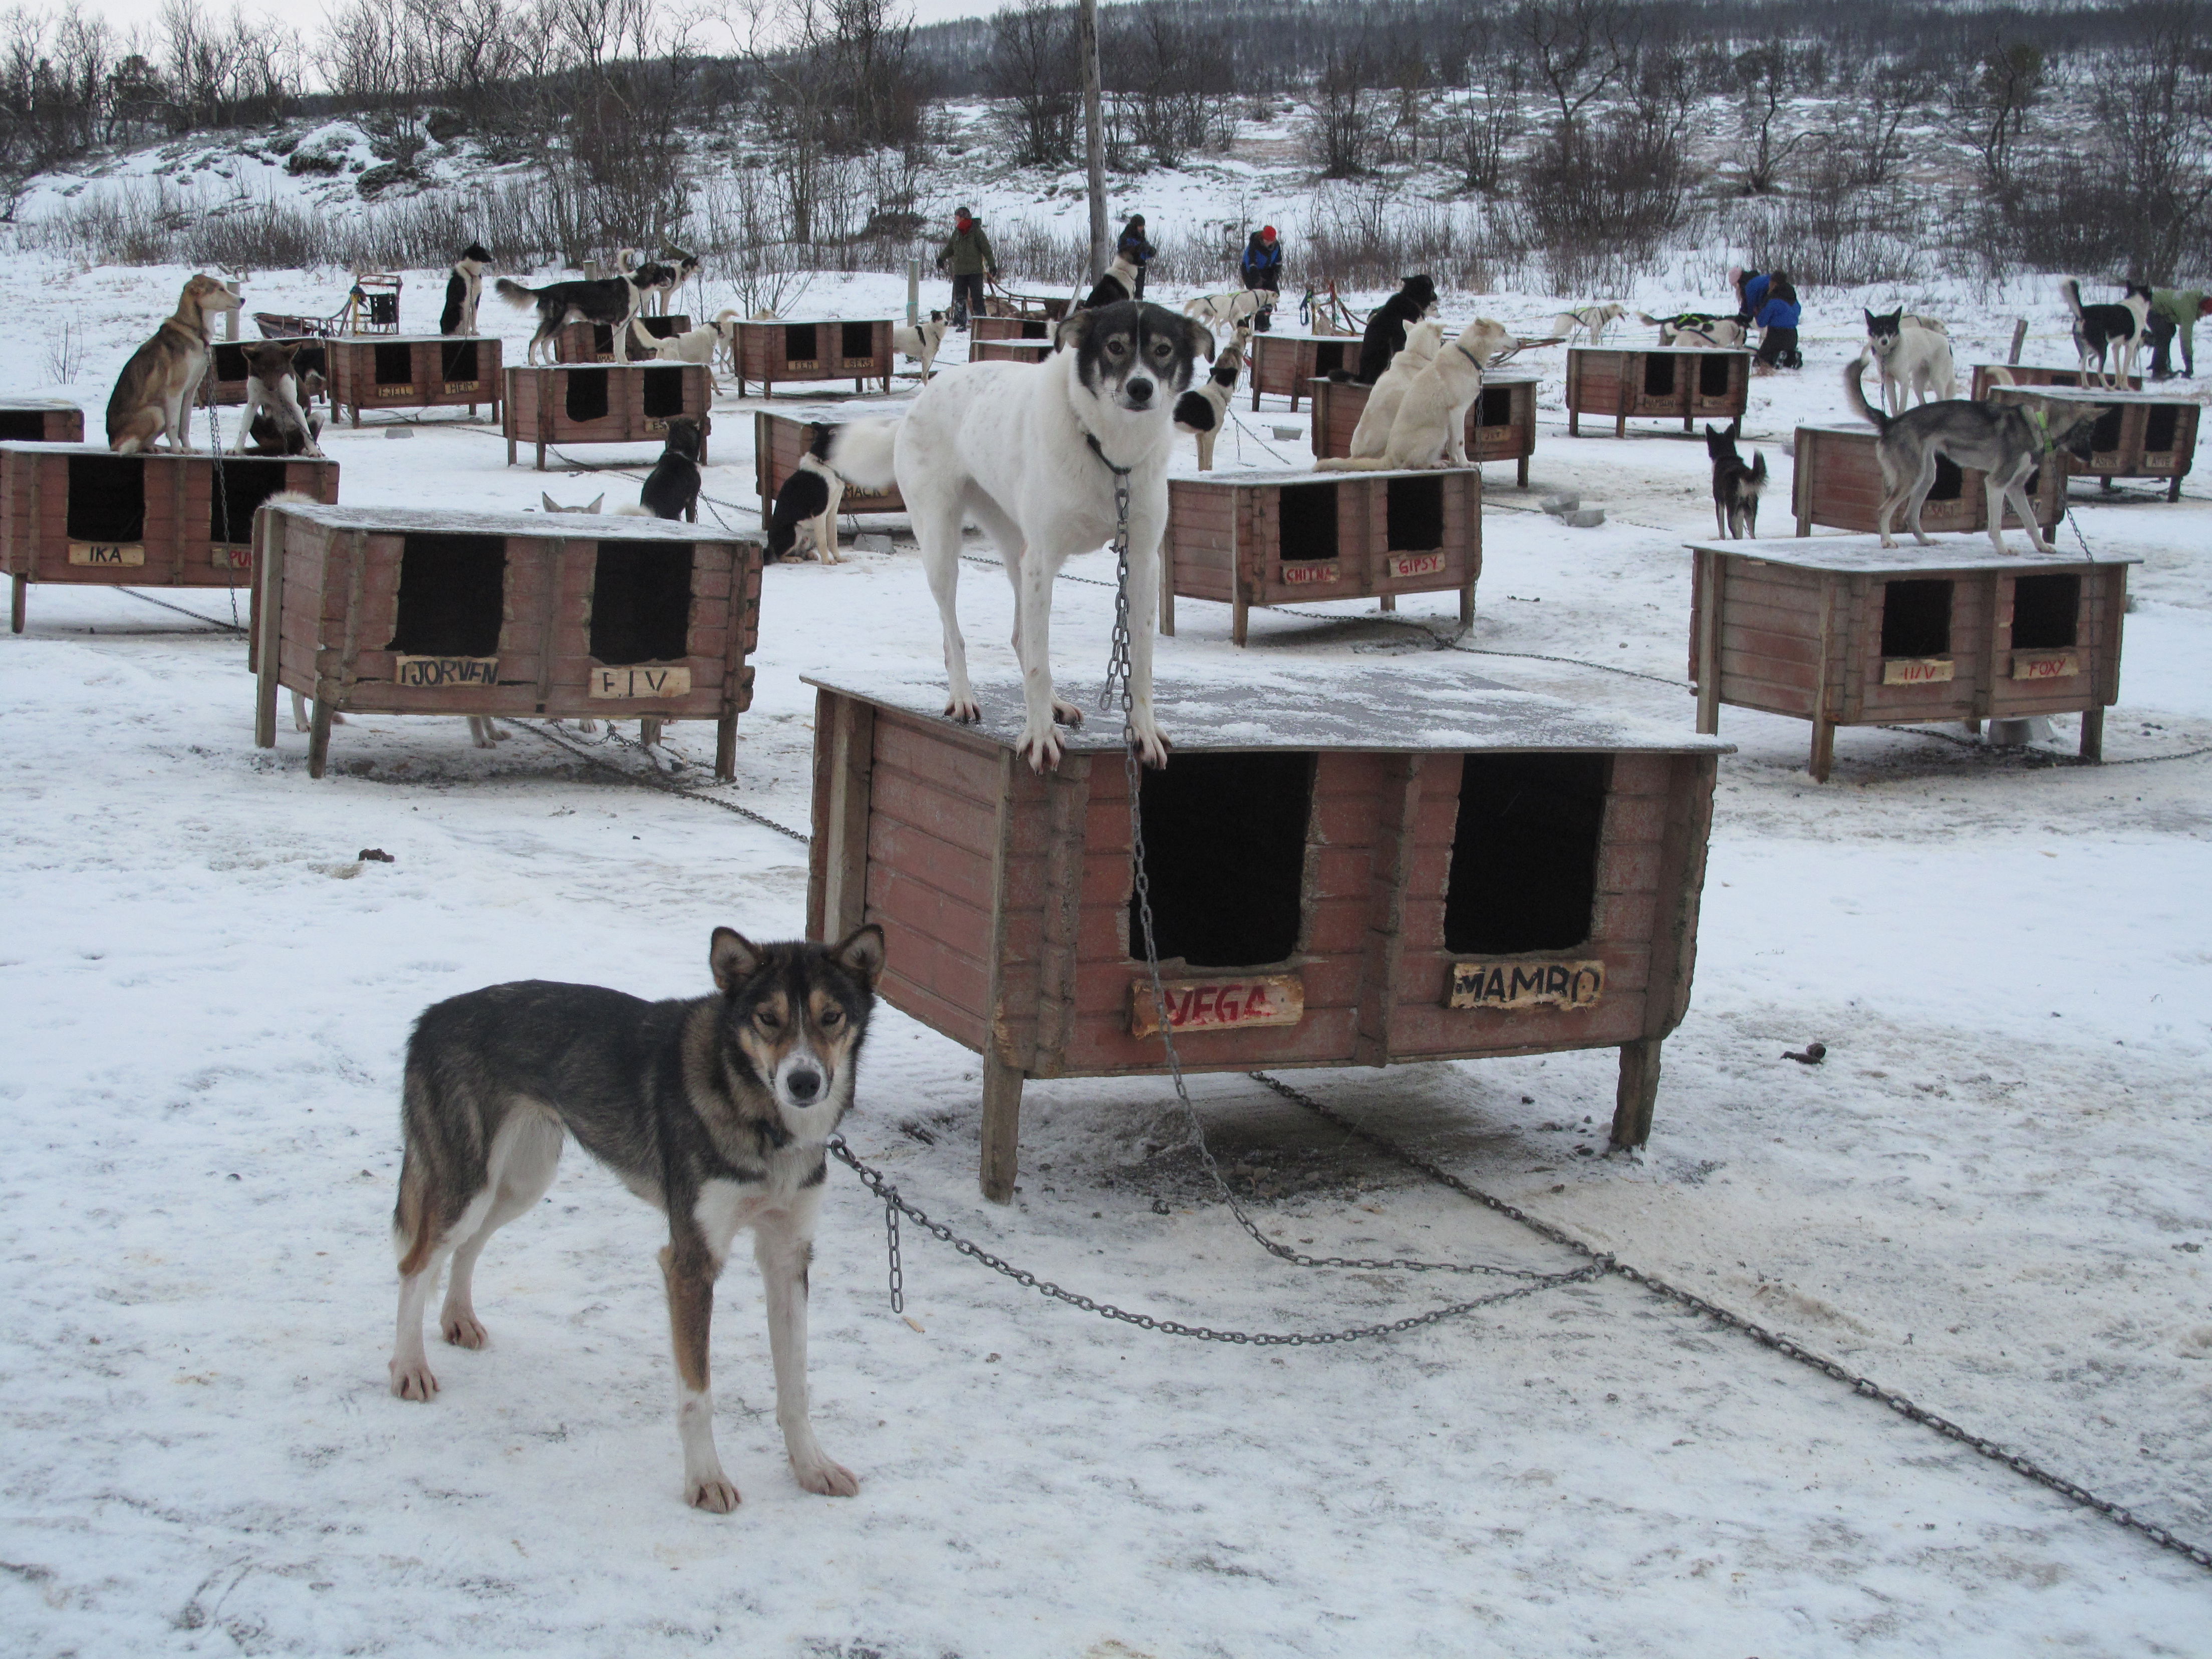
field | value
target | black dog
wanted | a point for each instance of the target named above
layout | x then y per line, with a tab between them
673	490
1736	487
1386	326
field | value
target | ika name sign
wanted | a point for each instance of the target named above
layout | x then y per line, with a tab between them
430	672
1214	1005
1525	984
620	682
107	553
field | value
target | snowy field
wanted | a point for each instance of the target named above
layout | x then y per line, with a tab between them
1993	1195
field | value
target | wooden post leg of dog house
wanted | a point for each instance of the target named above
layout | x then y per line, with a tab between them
1521	473
2092	733
2173	489
1002	1127
1620	422
318	738
19	592
1639	1090
725	748
269	625
1466	606
1710	570
1389	601
1824	748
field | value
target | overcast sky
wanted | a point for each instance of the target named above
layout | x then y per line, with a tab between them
308	14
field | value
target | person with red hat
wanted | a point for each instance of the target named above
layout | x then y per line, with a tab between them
1262	266
968	251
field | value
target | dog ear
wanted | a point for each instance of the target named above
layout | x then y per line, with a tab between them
1074	329
860	953
1198	337
734	959
548	499
596	501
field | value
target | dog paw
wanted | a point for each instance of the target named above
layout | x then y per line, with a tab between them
1152	744
1066	713
463	1330
413	1381
1041	749
828	1480
966	710
714	1493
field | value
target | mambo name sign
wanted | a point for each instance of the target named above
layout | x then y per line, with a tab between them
1212	1005
1525	984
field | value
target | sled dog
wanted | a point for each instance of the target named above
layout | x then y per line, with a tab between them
2103	331
1371	436
1116	283
153	395
921	340
1430	427
613	301
702	345
1914	360
1591	319
273	417
1221	310
1385	336
1736	487
463	287
1202	412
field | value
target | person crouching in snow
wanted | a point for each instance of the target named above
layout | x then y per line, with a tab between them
968	251
1768	301
1262	270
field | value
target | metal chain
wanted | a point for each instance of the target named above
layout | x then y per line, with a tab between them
559	740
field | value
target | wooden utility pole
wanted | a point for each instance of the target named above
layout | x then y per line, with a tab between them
1094	132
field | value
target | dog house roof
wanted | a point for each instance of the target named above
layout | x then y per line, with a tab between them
567	526
369	339
1227	477
20	404
803	322
1670	351
1865	556
32	446
1403	710
2082	394
838	413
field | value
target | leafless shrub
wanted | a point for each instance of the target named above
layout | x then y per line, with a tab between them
1596	206
1032	67
65	345
1344	124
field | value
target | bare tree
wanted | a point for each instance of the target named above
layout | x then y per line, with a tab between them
1033	67
1770	76
1993	107
1344	126
1578	49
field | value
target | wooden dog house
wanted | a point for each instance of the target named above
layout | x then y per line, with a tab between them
1842	631
1501	423
422	371
1838	482
594	343
40	421
1010	328
1986	376
1347	868
79	513
2141	434
1286	364
781	437
603	404
391	611
1009	351
1248	538
1682	383
818	349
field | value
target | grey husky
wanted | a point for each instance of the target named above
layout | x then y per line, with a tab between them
2005	442
716	1110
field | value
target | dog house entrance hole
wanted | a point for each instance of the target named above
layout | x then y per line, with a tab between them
1032	330
395	365
1714	369
1658	375
641	602
1497	407
107	498
2104	436
240	487
2162	427
452	595
1308	522
661	328
664	391
22	426
1524	853
856	340
1916	619
460	359
229	362
1225	851
799	343
2046	613
602	339
1328	357
587	398
1950	482
1415	514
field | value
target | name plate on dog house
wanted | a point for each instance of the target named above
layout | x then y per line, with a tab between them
1300	576
621	682
421	671
1214	1005
2045	665
1403	565
107	553
231	555
1917	671
1525	984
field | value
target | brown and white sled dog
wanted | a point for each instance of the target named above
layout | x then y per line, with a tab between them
1430	427
1201	413
717	1111
153	395
273	417
1697	331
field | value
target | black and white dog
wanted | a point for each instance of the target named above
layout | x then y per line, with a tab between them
1385	335
1117	283
2100	332
463	289
613	301
672	490
717	1111
1736	487
810	494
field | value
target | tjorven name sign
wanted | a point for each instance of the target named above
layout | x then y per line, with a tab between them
1212	1005
1525	984
428	672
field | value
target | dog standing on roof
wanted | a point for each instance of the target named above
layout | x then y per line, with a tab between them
463	287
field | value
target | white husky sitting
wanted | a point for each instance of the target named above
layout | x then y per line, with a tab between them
1424	340
1429	429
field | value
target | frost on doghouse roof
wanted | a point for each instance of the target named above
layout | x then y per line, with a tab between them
1405	710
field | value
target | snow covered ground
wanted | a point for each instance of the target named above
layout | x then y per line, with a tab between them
1992	1196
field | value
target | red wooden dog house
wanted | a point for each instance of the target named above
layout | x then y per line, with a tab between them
392	611
817	348
782	435
2140	435
594	343
1285	363
79	513
1656	383
1987	375
1837	481
1011	328
1501	423
1248	538
603	404
424	371
1009	351
40	421
1842	631
1424	867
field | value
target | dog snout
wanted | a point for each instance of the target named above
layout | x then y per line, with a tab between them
1140	390
805	1084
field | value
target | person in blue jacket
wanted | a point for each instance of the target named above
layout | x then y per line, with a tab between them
1262	268
1136	250
1767	300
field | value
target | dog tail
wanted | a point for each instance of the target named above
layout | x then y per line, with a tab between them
514	294
1866	412
860	452
1755	481
2070	291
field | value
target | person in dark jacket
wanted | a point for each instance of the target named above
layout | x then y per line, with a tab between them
1767	300
1136	250
1262	268
968	251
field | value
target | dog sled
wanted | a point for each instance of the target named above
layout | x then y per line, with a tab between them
1322	311
372	306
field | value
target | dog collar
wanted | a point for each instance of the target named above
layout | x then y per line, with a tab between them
1469	355
1118	472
